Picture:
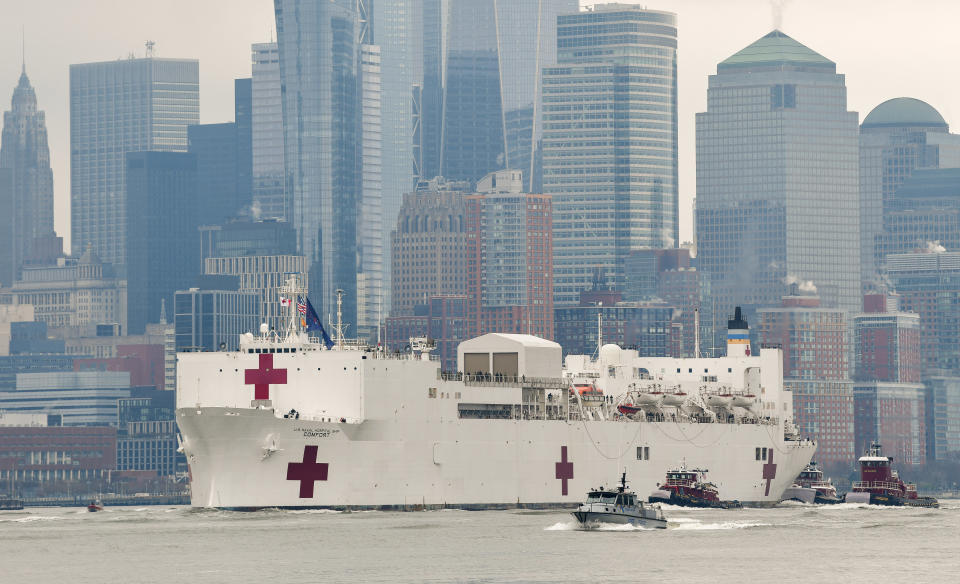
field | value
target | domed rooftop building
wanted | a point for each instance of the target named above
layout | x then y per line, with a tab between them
904	112
897	138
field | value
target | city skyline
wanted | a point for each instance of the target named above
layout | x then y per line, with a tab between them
708	33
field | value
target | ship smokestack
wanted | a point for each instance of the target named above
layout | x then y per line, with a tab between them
738	335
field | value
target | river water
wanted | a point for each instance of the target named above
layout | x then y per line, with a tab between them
791	543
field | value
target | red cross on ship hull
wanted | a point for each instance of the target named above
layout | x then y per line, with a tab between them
307	472
769	472
564	470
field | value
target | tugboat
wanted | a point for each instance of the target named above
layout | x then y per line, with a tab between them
95	505
810	487
689	488
879	484
620	507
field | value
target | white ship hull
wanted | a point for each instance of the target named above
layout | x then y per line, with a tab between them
241	458
287	424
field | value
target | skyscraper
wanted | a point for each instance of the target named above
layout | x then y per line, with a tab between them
267	133
24	152
429	246
777	178
319	49
493	53
610	142
163	243
897	137
118	107
509	258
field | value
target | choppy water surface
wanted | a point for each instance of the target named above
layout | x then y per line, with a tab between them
793	543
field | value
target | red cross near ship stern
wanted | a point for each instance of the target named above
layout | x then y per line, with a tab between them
307	472
262	378
564	469
769	472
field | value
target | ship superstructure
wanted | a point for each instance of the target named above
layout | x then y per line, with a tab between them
293	421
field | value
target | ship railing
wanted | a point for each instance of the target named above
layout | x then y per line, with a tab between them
885	485
500	380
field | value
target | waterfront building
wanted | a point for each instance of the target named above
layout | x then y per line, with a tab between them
72	294
213	318
509	258
116	107
897	137
816	370
163	244
429	246
777	182
887	394
610	142
81	398
147	434
28	202
40	454
144	363
108	343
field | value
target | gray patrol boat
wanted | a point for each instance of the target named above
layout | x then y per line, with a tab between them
618	507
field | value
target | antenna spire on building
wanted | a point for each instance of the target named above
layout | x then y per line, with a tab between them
150	45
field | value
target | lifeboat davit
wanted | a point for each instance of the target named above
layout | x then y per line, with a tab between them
744	401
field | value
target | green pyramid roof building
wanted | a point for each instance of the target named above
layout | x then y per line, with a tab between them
773	49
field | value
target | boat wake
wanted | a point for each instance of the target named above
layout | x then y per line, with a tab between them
575	526
687	524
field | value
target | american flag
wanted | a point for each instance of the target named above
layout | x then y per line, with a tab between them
301	306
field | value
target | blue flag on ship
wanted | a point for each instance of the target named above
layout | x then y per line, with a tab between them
312	322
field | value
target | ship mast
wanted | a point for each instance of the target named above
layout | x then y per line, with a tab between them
338	328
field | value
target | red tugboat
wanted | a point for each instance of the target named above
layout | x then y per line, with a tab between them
879	484
810	487
689	488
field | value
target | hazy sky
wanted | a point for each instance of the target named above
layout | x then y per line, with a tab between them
885	48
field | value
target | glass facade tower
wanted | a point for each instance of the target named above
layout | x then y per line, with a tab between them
777	179
318	42
268	193
493	52
117	107
610	142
